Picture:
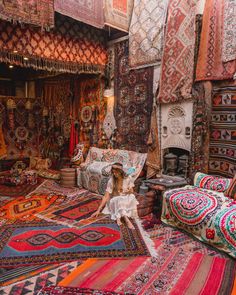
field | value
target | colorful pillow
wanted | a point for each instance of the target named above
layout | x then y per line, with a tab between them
37	163
49	174
231	191
210	182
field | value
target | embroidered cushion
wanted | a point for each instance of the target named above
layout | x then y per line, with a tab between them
231	191
37	163
210	182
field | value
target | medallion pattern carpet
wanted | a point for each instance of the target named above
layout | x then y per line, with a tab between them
19	190
133	92
73	214
40	243
25	208
223	133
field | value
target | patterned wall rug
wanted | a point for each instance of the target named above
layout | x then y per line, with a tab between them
37	243
223	133
133	92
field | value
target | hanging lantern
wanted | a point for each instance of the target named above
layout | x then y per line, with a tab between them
28	105
11	104
45	112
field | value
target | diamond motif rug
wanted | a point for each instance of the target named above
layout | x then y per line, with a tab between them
40	243
25	208
73	214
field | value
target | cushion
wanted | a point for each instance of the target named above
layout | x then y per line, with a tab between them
231	191
49	174
210	182
37	163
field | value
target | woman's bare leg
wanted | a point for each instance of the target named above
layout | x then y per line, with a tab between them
118	221
128	222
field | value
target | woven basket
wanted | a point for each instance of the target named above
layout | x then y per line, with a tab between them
68	177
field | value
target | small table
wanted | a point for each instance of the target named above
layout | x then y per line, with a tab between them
163	183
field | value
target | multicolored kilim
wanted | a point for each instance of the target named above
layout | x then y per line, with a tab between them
53	290
133	92
60	50
178	57
25	208
39	243
175	270
223	133
36	12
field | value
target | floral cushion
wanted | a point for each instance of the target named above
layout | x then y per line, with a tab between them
210	182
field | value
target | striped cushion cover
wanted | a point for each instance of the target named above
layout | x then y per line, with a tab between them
231	191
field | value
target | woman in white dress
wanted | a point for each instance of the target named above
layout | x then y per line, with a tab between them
119	200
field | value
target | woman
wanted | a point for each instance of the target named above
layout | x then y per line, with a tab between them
119	200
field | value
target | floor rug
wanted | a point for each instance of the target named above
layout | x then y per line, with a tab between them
39	243
19	190
73	214
25	208
54	290
34	283
173	271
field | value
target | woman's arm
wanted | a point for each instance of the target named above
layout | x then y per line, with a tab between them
105	199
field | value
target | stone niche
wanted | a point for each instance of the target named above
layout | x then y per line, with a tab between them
176	135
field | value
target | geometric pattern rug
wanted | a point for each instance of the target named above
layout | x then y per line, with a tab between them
42	242
73	214
53	290
173	271
32	283
25	208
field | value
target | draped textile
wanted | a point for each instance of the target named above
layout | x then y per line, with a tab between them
199	155
35	12
229	31
3	148
146	33
60	50
210	65
89	12
153	157
178	56
117	13
223	133
134	97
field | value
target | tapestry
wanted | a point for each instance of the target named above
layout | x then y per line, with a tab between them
36	243
175	270
89	12
60	50
32	283
146	32
3	148
19	190
25	208
153	156
208	215
21	126
92	111
199	156
197	41
223	133
178	56
36	12
117	13
73	214
75	291
210	65
229	31
134	97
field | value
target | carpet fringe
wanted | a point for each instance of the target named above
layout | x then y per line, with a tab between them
148	241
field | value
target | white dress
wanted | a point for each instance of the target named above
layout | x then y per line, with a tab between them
124	204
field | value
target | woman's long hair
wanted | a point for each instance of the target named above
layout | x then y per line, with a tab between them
115	191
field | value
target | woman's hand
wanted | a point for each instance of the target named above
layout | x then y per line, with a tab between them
96	213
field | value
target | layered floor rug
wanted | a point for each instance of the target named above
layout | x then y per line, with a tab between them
42	242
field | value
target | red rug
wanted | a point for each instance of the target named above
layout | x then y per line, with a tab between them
19	190
39	243
54	290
